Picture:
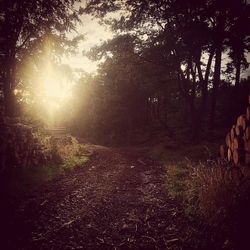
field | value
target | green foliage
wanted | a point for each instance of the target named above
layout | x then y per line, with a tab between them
72	155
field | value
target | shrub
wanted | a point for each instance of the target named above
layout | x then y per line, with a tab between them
216	198
217	189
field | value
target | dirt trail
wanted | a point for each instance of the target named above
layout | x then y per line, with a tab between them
117	201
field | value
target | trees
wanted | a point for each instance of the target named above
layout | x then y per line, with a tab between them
23	24
127	93
238	39
116	105
192	34
230	20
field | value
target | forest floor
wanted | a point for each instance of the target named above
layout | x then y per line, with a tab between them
117	200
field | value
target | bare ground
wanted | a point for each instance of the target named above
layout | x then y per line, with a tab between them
118	200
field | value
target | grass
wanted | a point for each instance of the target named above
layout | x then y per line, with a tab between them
172	154
73	154
25	180
176	180
64	157
215	198
178	162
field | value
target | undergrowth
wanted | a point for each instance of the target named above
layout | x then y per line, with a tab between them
66	153
215	197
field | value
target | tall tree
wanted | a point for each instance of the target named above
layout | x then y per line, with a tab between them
189	30
180	28
238	39
229	20
23	22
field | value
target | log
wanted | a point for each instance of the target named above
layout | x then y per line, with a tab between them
238	140
238	143
241	122
24	148
222	152
248	113
247	146
239	130
232	145
247	158
244	137
228	140
238	157
247	133
232	133
229	154
235	157
238	121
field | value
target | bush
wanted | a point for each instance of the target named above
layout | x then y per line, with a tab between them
56	154
222	195
216	201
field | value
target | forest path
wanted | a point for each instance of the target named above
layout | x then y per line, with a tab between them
118	200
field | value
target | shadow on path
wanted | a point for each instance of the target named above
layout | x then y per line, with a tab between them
117	201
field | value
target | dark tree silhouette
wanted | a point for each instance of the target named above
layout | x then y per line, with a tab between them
22	24
186	32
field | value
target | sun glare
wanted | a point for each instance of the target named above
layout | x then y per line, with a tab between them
55	88
52	88
55	92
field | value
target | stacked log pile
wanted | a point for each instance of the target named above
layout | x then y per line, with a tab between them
20	146
237	142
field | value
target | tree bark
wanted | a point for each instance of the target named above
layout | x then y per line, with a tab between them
237	74
11	36
9	84
219	37
201	111
217	71
204	89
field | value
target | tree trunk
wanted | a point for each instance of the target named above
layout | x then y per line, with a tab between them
8	87
216	81
9	51
217	71
194	128
237	75
201	111
217	67
204	89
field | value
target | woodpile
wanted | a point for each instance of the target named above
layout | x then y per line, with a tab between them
21	147
237	142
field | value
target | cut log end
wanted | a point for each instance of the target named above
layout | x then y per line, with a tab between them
248	113
235	157
222	152
228	140
229	154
